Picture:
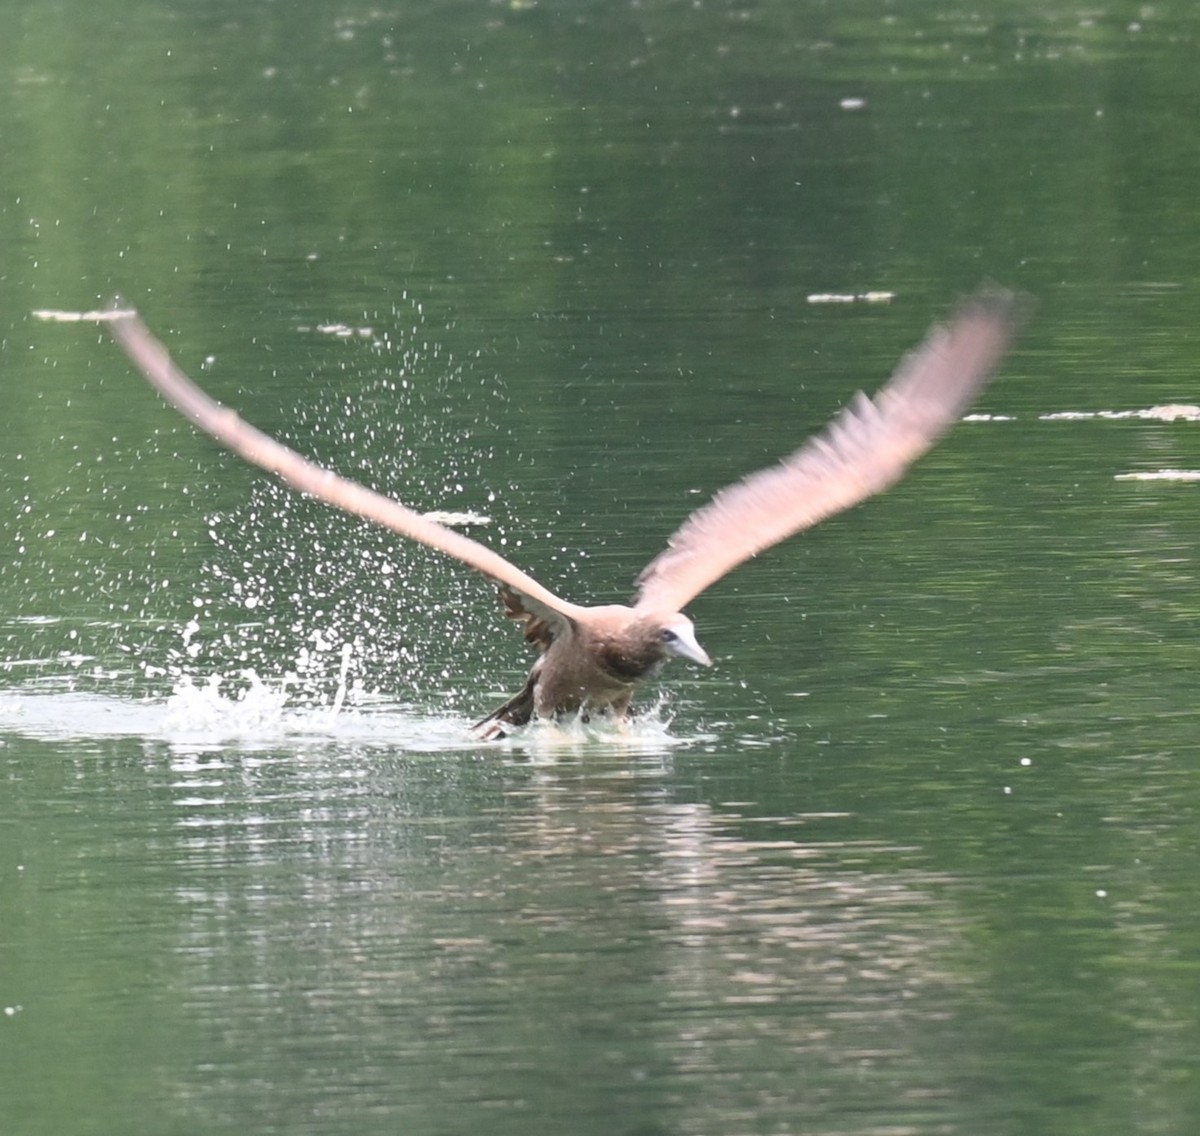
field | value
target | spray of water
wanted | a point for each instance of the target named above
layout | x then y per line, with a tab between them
296	622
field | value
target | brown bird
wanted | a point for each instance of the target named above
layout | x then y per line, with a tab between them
592	658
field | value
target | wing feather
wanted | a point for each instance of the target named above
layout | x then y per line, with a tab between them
864	450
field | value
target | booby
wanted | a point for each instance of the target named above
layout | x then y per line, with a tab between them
591	659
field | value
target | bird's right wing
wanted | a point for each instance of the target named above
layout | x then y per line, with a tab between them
153	360
863	451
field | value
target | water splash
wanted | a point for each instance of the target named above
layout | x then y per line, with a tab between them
206	715
287	588
288	578
194	707
246	712
647	733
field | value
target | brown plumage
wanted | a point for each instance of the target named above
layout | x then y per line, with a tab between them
591	658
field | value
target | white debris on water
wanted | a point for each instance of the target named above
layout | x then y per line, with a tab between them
1168	412
53	315
1160	475
851	297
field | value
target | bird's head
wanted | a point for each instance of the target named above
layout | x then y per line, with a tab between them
678	637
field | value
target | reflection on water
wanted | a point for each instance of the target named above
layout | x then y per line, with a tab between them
468	937
658	958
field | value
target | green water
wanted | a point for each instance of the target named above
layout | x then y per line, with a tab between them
919	854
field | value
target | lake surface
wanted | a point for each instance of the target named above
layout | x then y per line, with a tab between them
919	854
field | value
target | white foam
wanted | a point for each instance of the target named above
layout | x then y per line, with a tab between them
245	712
215	712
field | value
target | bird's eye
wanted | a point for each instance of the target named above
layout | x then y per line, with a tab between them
667	635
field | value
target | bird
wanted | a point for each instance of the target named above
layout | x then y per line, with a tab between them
591	659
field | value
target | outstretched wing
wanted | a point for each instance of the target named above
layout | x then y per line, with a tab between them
152	359
863	451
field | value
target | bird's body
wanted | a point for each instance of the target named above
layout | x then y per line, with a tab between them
595	665
582	670
591	659
591	664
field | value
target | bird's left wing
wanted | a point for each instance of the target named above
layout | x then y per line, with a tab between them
863	451
153	360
